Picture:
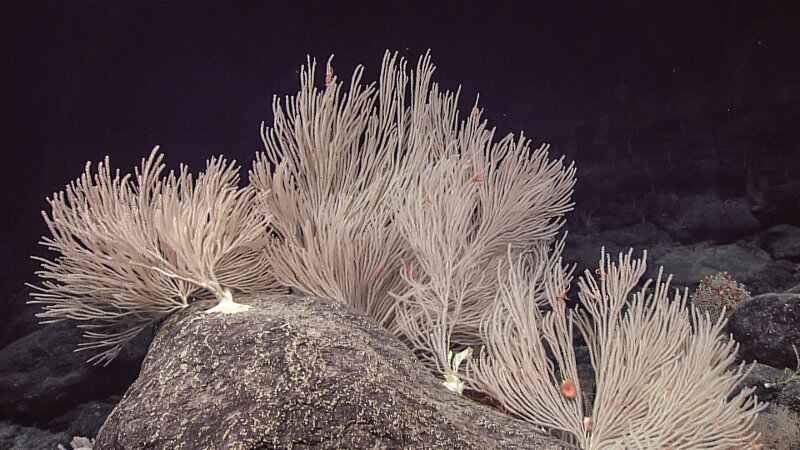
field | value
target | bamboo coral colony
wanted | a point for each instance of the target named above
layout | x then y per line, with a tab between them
380	198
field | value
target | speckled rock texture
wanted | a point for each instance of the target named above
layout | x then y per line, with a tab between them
766	327
296	373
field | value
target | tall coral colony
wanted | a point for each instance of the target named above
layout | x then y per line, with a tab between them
386	199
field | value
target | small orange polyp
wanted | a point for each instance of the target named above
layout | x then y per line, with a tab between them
568	389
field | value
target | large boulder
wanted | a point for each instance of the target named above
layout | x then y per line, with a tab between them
706	216
296	373
766	327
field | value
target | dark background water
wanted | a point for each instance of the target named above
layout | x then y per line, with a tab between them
81	80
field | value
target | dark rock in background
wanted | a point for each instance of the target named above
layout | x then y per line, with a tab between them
766	327
705	217
46	378
20	437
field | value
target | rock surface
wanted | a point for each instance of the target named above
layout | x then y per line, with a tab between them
42	377
296	373
766	327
